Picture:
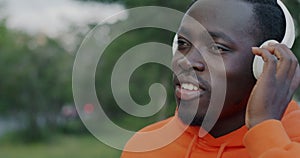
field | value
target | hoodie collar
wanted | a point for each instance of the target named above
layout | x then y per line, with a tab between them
234	138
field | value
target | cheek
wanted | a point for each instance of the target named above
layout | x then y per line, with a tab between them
240	79
239	67
174	63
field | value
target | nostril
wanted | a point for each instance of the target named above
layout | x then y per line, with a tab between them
188	65
199	66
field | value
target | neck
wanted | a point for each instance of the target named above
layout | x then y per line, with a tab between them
226	125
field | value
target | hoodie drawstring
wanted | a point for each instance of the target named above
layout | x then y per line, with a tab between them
221	150
191	145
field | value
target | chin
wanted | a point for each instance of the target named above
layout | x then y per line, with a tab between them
186	113
196	121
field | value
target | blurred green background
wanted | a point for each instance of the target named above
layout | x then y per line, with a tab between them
38	117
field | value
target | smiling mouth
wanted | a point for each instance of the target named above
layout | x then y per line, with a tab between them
189	91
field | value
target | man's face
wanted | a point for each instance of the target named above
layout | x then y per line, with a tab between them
229	25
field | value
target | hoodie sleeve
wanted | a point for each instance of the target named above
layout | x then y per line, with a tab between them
275	139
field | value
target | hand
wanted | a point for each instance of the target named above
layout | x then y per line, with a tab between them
276	85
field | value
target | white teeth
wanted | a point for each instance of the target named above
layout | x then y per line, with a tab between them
195	88
189	86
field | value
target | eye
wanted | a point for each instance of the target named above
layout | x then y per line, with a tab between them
219	48
182	43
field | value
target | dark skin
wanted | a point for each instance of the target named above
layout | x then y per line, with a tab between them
247	102
276	86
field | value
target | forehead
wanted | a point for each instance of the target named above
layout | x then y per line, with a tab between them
228	9
232	17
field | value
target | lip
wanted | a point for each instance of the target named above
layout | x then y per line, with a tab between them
185	94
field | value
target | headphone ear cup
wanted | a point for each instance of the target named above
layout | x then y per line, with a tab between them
258	62
175	44
258	65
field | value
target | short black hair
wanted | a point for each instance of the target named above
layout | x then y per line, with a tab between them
269	20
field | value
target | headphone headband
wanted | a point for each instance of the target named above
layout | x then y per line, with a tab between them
289	36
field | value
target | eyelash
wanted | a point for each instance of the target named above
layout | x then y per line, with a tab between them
182	44
219	47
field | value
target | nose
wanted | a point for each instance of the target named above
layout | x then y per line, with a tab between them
191	61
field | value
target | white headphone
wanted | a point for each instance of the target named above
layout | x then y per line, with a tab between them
175	44
258	62
288	40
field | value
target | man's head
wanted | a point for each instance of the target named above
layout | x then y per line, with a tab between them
235	26
269	20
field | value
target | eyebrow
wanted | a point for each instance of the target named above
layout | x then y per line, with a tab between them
213	34
221	35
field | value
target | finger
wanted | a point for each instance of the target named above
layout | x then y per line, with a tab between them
270	62
295	81
284	63
290	57
288	67
285	66
294	61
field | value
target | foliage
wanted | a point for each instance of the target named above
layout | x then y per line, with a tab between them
180	5
61	146
140	80
36	76
293	6
35	80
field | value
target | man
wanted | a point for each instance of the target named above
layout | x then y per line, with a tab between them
258	118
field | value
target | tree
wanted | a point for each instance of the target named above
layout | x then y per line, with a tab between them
35	80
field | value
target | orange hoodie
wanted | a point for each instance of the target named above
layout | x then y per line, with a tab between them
269	139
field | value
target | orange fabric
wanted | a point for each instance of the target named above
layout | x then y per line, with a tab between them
269	139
